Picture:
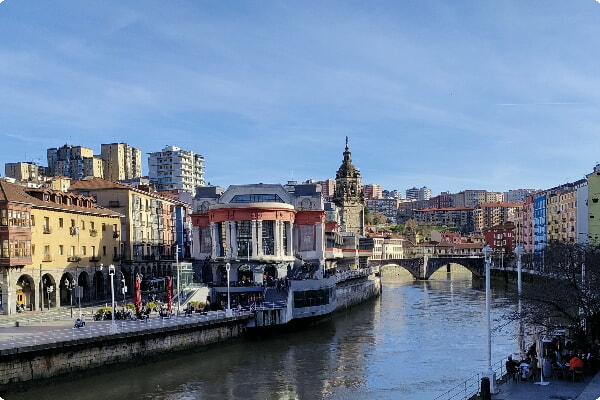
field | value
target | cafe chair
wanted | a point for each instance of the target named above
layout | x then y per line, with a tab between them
578	374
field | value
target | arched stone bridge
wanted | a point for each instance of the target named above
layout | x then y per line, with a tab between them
423	268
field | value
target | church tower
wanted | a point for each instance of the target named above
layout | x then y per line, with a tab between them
349	195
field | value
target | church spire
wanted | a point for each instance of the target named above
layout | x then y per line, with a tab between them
347	169
348	194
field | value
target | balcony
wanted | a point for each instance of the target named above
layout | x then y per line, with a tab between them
46	258
47	230
93	232
333	252
94	258
116	235
117	257
73	259
74	231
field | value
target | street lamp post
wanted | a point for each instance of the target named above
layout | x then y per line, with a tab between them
69	285
519	252
178	287
124	287
228	312
487	252
111	272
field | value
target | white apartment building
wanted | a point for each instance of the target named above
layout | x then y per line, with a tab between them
173	168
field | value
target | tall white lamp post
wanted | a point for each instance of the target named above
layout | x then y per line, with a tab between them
228	312
111	272
519	252
178	287
487	252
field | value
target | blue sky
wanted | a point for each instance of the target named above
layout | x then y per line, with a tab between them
451	95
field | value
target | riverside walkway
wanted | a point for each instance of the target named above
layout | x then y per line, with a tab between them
25	330
555	389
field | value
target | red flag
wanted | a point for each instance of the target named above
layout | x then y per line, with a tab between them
169	294
137	295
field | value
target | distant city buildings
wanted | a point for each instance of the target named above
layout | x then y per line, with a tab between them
176	169
118	161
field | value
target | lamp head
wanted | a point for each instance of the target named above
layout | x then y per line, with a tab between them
227	266
519	250
487	252
111	269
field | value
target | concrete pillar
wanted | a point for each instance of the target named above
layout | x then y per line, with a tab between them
232	238
8	293
257	238
290	238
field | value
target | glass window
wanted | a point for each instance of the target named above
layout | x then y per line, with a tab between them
268	237
244	238
256	198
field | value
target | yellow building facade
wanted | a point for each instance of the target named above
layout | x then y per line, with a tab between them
55	247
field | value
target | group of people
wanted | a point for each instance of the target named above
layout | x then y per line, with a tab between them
270	281
524	370
567	363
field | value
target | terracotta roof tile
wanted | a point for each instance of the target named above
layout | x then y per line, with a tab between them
11	192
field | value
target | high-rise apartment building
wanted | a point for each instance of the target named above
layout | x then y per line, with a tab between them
518	195
327	188
22	171
472	198
76	162
173	168
373	191
121	162
423	193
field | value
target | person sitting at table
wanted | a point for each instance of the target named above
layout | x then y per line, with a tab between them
575	362
512	368
526	370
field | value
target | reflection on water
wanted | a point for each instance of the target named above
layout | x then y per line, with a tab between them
415	342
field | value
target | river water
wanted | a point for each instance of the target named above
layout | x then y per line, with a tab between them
416	341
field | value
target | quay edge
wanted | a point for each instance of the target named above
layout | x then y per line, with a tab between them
72	359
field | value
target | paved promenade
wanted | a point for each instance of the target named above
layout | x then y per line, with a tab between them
556	389
33	329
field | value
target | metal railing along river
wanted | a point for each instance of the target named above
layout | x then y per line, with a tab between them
9	341
469	388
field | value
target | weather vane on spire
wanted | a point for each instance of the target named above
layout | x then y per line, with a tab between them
346	141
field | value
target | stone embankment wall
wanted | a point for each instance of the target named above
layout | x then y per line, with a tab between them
356	291
70	359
